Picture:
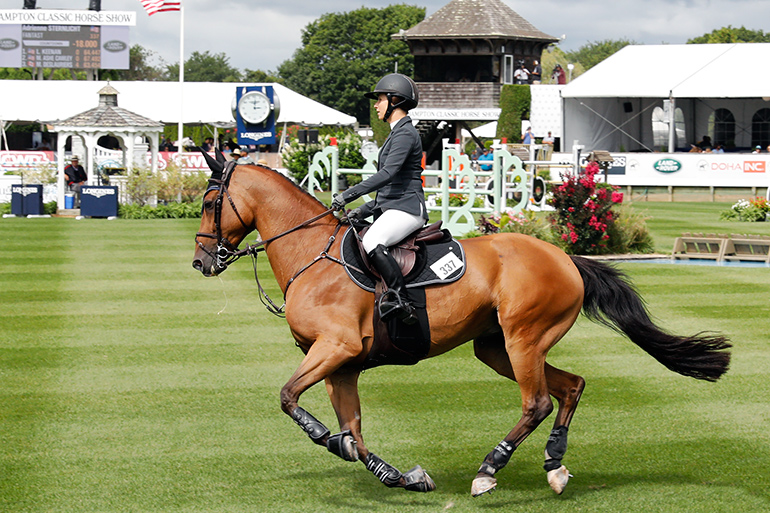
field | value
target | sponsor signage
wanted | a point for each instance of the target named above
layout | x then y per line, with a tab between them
618	166
667	165
264	132
99	201
27	200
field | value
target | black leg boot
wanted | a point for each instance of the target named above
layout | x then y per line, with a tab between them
393	303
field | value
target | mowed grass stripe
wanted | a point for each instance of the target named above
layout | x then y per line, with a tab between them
162	395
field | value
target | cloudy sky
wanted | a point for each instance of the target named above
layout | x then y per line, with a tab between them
258	34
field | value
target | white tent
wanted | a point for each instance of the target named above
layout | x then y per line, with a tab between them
204	102
617	104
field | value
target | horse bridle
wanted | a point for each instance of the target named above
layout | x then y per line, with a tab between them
226	253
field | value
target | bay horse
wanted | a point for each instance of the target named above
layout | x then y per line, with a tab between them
518	297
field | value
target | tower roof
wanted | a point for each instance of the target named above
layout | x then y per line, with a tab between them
475	19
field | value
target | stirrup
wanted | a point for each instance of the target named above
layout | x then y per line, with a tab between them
392	306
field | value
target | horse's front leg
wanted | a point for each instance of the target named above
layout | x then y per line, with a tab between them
342	387
321	361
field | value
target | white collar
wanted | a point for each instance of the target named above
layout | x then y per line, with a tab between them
393	124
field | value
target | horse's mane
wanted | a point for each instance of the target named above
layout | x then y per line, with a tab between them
290	181
217	166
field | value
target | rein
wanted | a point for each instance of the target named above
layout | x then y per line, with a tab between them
226	253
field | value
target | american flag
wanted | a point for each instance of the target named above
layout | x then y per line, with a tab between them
153	6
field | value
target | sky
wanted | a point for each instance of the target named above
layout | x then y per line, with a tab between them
256	34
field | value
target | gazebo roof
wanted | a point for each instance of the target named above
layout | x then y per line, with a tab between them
475	19
109	115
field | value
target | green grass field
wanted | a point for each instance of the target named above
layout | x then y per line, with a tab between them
130	383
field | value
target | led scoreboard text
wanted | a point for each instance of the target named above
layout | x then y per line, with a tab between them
61	46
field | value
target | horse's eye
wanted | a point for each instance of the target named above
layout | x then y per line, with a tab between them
208	205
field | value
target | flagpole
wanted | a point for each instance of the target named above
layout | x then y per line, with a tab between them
180	126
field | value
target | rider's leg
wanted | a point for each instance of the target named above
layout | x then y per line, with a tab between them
390	228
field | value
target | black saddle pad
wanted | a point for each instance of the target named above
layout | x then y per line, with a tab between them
443	262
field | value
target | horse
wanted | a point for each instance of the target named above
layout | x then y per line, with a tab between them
518	297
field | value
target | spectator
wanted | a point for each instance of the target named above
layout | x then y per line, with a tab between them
757	149
719	149
208	144
485	160
537	73
76	177
521	75
526	137
558	75
548	139
705	143
244	157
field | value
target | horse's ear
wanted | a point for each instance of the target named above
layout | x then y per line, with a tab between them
215	166
220	156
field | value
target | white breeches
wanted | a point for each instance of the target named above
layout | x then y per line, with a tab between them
390	228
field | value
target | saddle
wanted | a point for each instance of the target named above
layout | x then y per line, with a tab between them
427	256
405	252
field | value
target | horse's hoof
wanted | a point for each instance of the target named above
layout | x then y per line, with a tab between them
417	480
558	479
483	484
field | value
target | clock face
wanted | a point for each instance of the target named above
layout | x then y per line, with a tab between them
254	107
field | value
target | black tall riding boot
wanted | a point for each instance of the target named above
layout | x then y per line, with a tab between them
393	303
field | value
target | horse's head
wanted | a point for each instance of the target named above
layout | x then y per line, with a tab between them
223	224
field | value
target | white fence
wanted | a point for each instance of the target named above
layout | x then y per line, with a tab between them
458	189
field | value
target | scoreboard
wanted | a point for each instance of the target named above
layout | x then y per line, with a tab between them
56	44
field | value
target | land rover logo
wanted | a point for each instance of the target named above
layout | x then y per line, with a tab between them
668	165
115	46
8	44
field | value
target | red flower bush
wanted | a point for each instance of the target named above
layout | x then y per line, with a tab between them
584	212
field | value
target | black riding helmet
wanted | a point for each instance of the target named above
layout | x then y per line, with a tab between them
396	85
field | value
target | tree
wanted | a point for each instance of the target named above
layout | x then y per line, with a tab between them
729	34
140	67
205	67
591	54
257	75
344	54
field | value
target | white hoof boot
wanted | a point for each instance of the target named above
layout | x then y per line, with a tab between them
558	479
483	485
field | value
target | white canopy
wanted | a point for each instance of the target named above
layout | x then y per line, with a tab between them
204	102
683	71
621	103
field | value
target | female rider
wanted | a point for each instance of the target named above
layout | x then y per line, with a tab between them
399	206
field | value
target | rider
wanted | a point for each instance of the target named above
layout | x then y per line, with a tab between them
399	206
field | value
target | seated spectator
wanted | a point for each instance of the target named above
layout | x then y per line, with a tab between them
76	177
705	143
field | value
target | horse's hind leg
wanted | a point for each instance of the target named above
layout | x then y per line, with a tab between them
524	363
567	389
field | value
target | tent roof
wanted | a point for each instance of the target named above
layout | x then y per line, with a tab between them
684	71
49	101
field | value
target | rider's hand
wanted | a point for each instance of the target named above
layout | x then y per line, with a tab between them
337	202
355	214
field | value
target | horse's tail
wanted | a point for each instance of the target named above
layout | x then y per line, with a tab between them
610	299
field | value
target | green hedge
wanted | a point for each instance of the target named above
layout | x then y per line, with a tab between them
514	105
170	211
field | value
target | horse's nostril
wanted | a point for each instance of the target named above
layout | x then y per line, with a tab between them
197	265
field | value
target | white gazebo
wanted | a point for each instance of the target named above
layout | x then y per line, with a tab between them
106	119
